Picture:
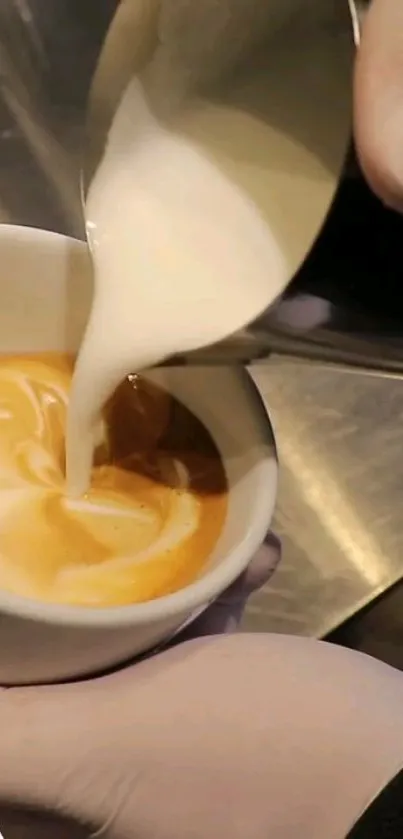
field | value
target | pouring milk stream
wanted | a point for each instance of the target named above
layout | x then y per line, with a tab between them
182	259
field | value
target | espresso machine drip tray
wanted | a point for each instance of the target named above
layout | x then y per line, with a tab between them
339	430
340	440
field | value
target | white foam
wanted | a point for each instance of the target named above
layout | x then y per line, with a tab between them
178	528
94	508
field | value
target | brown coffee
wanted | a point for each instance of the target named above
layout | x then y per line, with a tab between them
156	506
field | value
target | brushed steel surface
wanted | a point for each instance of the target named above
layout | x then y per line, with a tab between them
339	513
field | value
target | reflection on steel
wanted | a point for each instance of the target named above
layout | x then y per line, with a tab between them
357	9
340	438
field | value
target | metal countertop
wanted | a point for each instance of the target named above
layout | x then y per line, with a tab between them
340	439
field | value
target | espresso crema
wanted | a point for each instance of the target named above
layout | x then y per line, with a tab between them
153	513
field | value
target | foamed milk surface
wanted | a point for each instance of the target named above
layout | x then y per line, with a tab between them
129	539
182	259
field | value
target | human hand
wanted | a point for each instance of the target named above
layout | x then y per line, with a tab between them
226	613
221	617
378	93
232	735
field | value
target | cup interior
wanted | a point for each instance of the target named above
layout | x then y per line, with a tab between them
46	287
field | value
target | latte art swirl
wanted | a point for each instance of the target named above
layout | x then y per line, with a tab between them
144	529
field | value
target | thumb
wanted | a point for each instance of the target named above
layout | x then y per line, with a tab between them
378	100
226	613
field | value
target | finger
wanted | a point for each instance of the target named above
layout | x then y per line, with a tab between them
226	613
303	312
257	573
378	100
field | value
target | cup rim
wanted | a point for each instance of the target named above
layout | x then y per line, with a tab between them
200	591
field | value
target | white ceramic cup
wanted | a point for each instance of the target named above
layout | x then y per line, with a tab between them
45	294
